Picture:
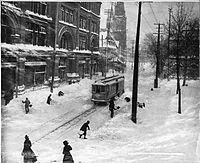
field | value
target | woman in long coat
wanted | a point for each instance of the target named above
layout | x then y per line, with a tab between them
27	152
66	151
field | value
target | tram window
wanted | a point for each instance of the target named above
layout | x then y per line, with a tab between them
102	89
93	88
97	89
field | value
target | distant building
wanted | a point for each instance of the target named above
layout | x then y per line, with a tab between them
113	38
119	25
70	28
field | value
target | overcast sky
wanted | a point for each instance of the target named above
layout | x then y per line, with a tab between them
151	13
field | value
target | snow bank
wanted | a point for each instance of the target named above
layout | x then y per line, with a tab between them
160	135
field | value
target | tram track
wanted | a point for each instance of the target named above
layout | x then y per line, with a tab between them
67	124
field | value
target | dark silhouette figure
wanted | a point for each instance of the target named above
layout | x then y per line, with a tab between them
141	105
84	128
66	151
49	99
27	152
127	99
60	93
27	105
111	107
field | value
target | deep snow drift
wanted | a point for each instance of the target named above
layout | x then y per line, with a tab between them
160	135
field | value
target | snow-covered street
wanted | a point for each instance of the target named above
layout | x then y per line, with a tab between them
161	135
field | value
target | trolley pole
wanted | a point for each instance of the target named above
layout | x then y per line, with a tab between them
135	72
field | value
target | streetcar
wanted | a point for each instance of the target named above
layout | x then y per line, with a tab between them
106	88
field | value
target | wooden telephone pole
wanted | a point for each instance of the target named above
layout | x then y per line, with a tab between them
135	72
157	57
132	48
168	46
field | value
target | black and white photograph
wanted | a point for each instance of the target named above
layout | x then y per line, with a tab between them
114	81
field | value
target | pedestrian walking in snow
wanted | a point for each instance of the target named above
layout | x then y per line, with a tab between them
83	129
66	151
27	105
49	99
111	107
27	152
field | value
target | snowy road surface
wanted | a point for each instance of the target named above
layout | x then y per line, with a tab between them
161	135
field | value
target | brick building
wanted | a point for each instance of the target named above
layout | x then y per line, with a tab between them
34	32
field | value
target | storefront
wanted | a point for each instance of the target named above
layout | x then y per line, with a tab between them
35	73
8	78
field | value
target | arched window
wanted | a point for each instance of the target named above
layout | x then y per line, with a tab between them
7	29
66	41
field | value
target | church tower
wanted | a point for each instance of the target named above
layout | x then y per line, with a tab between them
119	25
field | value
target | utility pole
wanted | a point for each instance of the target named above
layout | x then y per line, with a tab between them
199	46
91	68
178	91
132	54
135	72
54	53
109	13
157	57
168	46
17	75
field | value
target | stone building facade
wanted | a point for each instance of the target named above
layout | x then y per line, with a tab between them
37	34
119	26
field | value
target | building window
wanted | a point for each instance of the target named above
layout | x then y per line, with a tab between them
43	8
85	5
62	13
71	16
94	27
83	23
39	7
35	34
67	15
82	42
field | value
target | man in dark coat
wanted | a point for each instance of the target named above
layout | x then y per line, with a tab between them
111	107
67	155
84	128
27	104
27	152
49	99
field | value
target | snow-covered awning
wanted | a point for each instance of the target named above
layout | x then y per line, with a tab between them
12	8
8	65
35	63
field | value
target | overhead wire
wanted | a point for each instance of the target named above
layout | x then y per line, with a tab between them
153	13
145	19
162	11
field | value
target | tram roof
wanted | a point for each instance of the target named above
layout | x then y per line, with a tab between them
109	80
